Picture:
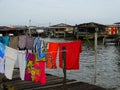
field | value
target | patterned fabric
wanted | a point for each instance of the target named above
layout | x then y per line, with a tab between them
40	75
29	66
31	57
28	74
51	55
41	58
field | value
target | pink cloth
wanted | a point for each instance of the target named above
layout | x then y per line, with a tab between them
28	76
41	77
31	57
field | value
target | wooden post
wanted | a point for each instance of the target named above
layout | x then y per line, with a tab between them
1	80
64	67
77	36
64	34
95	66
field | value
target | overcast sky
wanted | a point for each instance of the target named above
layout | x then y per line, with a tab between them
49	12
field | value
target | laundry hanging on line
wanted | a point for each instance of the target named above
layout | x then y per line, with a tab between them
2	60
21	57
10	59
73	50
14	42
35	69
49	56
11	56
5	40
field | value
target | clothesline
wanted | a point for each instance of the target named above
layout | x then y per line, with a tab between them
57	51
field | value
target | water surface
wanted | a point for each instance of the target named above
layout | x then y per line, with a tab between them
108	65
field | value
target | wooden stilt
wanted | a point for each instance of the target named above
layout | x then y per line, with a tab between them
64	67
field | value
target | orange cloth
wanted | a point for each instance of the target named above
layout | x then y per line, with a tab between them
51	55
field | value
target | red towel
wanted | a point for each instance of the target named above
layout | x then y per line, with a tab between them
73	50
51	55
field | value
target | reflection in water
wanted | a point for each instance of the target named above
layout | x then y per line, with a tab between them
108	66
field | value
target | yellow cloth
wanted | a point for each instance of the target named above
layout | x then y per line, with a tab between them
33	74
30	64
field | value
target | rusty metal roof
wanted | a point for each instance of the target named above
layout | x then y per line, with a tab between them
61	25
91	24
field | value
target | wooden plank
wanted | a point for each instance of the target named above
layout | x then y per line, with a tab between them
23	85
27	86
18	84
51	86
33	84
53	77
9	82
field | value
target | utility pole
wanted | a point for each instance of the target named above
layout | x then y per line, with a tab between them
95	65
49	23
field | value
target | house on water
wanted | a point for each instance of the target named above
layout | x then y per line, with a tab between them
112	30
87	30
112	34
12	30
61	30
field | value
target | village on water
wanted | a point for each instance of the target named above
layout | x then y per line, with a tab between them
108	33
78	32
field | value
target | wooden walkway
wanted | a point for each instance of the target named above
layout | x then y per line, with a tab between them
53	83
18	84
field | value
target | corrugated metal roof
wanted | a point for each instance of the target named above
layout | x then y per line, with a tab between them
61	25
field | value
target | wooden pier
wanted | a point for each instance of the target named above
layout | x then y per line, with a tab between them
53	83
114	39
